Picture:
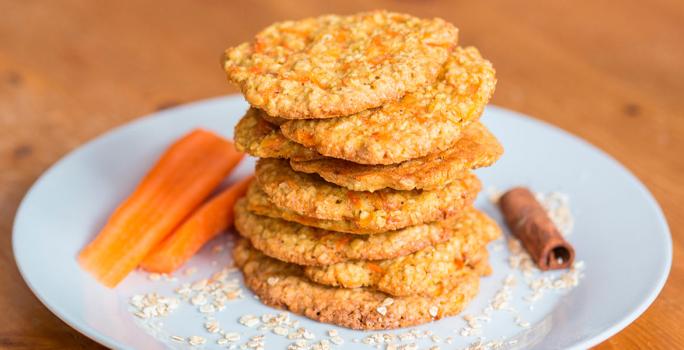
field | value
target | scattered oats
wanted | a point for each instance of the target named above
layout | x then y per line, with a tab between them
382	310
478	345
207	309
436	339
249	320
279	330
449	340
199	285
268	318
324	344
509	281
307	334
495	344
300	344
255	342
337	340
196	340
177	338
222	341
469	332
433	311
557	206
333	333
522	323
232	336
272	281
199	299
154	276
435	348
406	336
388	302
152	305
212	326
388	337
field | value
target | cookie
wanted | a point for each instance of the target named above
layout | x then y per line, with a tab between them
476	148
332	66
283	285
387	209
426	272
304	245
426	121
259	138
258	203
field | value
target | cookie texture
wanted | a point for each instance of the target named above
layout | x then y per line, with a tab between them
283	285
426	272
258	203
387	209
476	148
332	66
260	138
305	245
426	121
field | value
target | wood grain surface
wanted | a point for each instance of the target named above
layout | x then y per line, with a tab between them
609	71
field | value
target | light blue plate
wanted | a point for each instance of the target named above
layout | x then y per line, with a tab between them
620	233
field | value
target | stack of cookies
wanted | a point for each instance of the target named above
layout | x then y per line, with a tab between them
367	130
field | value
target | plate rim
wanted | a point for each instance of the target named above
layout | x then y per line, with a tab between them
95	335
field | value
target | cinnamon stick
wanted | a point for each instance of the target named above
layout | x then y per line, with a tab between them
530	223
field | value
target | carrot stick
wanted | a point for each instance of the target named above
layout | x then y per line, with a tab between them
205	223
182	178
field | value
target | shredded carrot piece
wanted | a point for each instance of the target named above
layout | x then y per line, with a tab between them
340	243
458	263
182	178
375	267
205	223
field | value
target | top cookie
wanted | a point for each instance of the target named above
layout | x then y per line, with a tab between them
332	66
425	121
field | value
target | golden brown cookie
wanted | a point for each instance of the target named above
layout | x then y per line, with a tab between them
476	148
332	66
426	272
386	209
283	285
258	203
426	121
259	138
304	245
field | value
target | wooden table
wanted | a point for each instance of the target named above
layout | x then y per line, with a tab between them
609	71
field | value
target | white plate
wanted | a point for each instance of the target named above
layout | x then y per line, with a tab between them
620	233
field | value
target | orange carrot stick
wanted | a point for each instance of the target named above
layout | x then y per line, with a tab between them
205	223
182	178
